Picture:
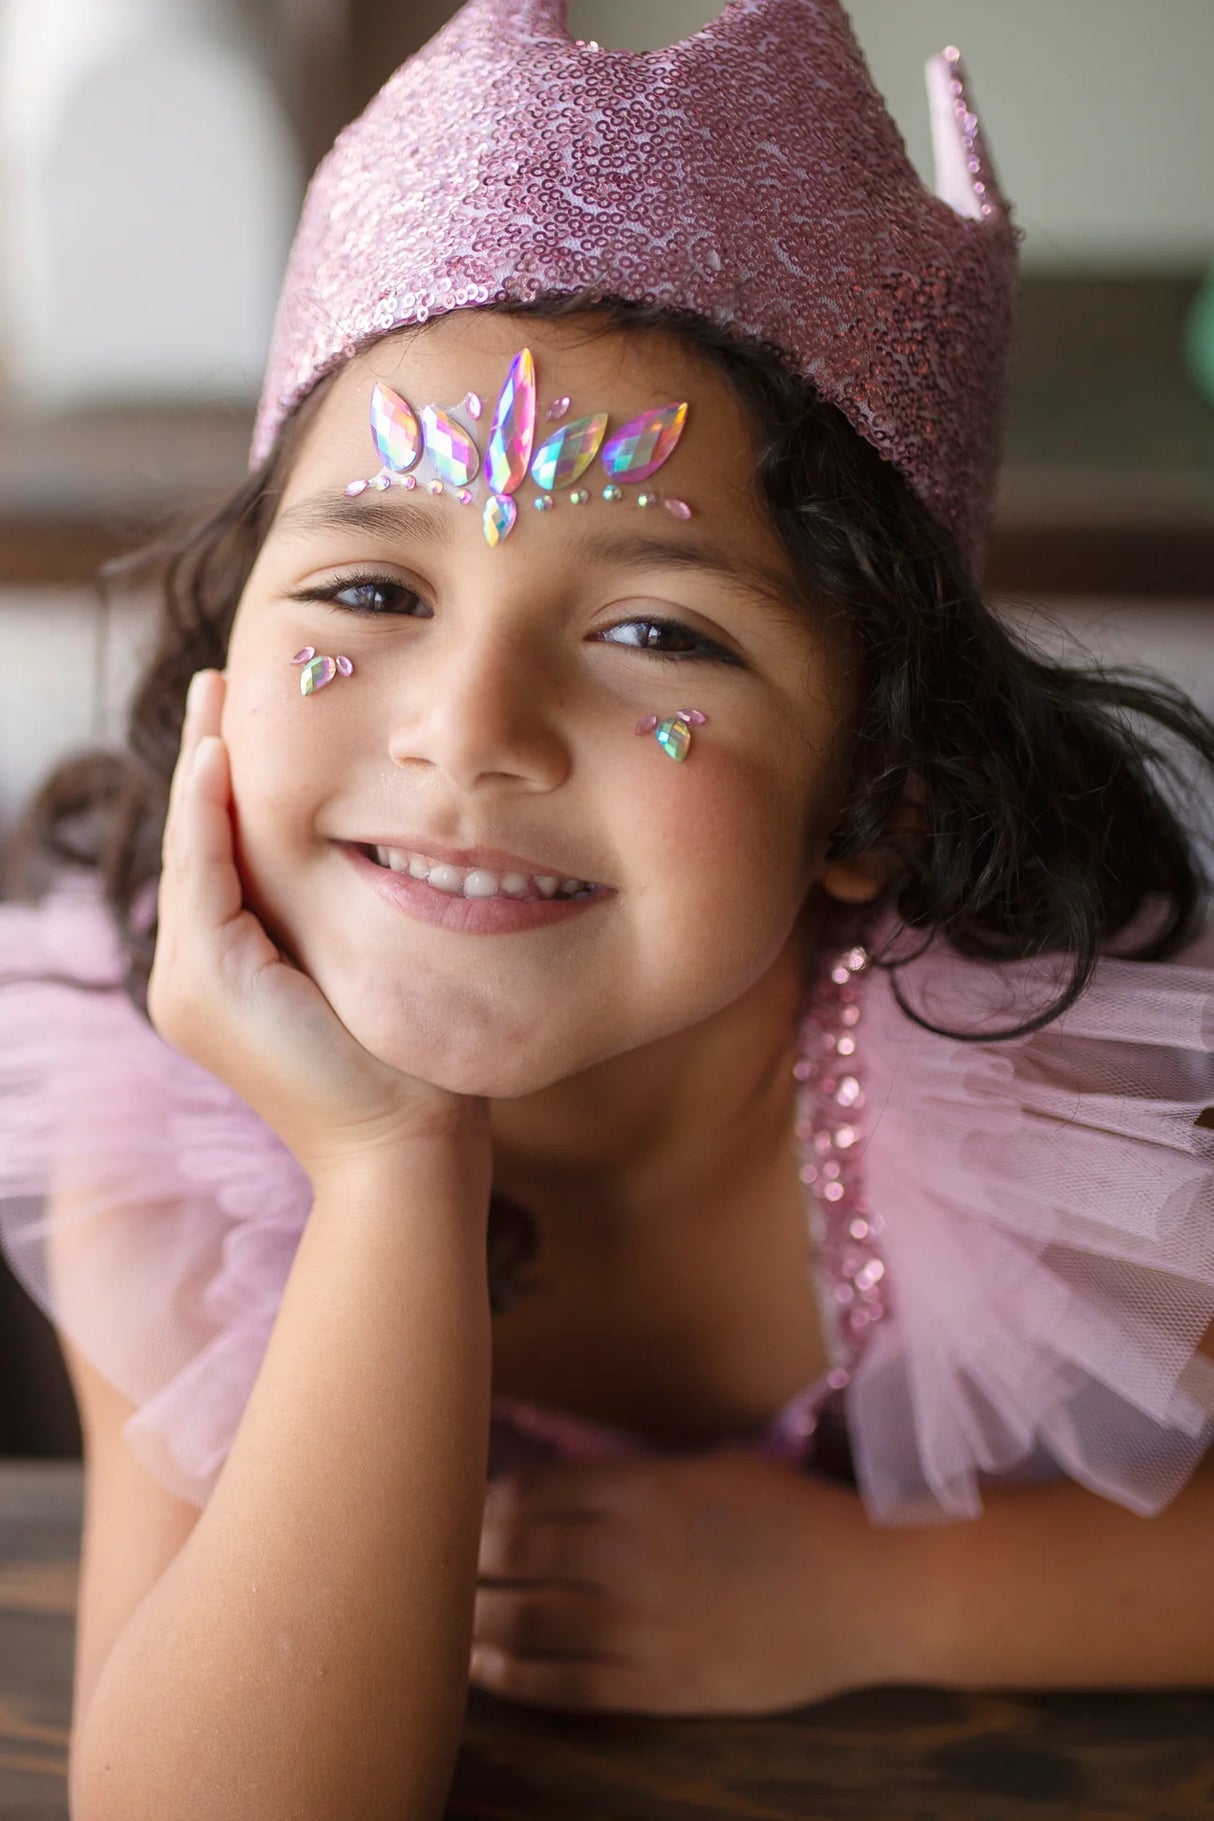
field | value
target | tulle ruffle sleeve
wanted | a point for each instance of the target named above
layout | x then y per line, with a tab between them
146	1210
1047	1211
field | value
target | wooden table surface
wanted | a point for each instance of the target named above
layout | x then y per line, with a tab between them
890	1754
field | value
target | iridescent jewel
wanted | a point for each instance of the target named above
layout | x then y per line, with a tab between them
613	493
677	508
557	409
355	488
640	448
648	724
567	455
410	481
379	483
544	503
464	497
450	447
316	674
499	516
472	404
301	657
578	497
647	499
345	666
435	486
674	737
512	433
692	716
397	433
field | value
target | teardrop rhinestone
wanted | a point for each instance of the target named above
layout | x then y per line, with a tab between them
301	657
316	675
472	405
450	447
674	737
397	433
677	508
557	409
692	716
355	488
500	514
345	666
512	434
640	448
646	724
567	455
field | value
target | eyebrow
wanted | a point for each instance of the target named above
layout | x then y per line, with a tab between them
380	512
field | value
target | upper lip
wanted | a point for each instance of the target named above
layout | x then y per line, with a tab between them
492	859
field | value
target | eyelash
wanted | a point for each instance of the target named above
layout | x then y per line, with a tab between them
708	650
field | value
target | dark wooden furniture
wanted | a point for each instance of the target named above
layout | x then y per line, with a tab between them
889	1754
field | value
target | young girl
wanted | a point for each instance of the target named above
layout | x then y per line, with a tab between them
634	1124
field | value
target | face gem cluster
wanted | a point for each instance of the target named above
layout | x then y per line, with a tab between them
405	437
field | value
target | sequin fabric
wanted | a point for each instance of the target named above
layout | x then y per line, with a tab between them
844	1255
751	174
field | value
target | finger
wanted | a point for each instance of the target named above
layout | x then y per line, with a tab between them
214	893
581	1552
562	1489
571	1685
201	717
549	1621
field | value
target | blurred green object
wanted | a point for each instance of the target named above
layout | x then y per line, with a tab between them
1199	339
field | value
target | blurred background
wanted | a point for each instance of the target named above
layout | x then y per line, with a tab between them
153	155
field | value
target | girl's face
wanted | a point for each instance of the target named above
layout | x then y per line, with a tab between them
493	704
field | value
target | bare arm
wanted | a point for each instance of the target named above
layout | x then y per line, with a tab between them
306	1652
1054	1587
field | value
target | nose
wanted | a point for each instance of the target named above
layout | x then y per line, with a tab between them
482	705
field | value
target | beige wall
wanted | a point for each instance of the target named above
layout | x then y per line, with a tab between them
1099	111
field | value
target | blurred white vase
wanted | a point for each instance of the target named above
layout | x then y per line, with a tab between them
149	184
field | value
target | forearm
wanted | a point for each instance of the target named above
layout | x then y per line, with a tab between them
1054	1587
307	1651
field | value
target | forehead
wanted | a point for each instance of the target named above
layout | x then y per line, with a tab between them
599	367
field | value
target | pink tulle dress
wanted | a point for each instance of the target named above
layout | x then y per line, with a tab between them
1011	1243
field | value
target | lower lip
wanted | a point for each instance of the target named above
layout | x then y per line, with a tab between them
468	916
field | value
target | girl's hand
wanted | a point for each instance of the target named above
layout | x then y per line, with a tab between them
221	992
724	1583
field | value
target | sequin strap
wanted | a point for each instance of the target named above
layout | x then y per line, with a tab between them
850	1278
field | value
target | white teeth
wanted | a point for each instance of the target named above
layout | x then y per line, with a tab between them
477	882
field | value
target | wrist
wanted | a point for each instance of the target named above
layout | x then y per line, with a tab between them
902	1639
407	1168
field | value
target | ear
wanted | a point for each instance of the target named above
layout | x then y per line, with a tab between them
859	879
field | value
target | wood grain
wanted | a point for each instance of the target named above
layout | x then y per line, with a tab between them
886	1754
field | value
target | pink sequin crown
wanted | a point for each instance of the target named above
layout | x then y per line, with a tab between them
751	174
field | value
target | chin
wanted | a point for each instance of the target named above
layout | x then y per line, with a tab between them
473	1056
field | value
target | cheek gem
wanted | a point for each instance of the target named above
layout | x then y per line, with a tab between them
319	672
674	734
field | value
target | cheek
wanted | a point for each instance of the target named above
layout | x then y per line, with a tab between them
724	819
280	779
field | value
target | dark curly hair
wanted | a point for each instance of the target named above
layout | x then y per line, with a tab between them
1041	823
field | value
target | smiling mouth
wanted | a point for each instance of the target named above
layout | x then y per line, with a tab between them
479	881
